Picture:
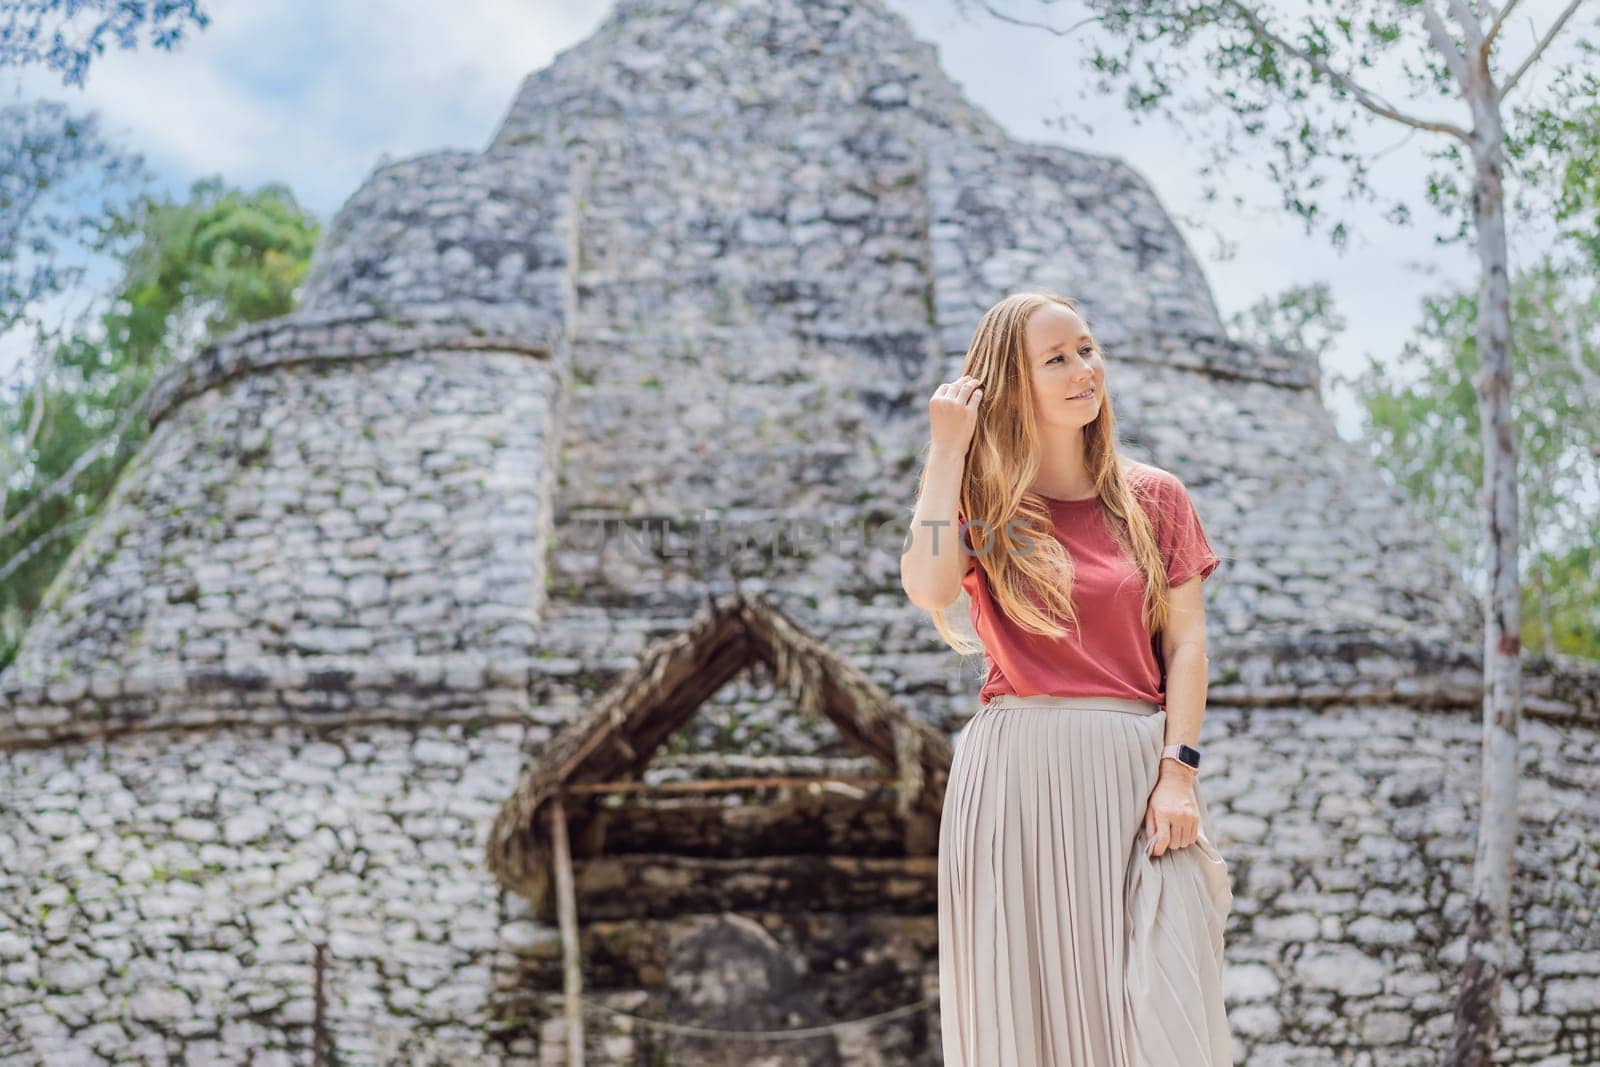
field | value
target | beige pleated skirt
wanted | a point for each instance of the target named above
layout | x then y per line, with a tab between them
1062	941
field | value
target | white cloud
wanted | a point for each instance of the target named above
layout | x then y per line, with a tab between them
316	97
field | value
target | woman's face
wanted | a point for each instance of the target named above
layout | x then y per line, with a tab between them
1064	362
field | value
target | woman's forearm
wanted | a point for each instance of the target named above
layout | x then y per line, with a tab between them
1188	669
932	564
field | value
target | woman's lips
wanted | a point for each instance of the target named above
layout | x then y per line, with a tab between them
1091	395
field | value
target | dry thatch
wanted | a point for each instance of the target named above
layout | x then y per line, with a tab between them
616	738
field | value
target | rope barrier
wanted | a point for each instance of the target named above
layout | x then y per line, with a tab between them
796	1033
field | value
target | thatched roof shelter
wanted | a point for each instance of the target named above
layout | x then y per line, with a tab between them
607	749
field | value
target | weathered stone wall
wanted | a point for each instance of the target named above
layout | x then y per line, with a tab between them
375	509
1349	833
162	896
426	236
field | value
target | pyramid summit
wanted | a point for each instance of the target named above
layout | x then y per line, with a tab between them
377	554
848	106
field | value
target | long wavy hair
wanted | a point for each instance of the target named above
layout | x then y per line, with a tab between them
1007	525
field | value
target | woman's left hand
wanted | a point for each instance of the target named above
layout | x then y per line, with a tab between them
1172	816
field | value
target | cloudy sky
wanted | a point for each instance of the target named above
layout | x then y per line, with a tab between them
315	94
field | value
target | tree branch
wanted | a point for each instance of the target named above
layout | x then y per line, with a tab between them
1549	36
1471	28
1003	17
43	541
1494	27
111	443
1447	48
1367	99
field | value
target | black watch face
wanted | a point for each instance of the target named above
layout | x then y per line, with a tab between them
1189	755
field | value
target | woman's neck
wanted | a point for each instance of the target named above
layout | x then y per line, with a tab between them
1063	473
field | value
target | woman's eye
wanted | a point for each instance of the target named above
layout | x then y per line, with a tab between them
1085	352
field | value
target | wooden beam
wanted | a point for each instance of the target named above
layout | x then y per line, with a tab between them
723	785
680	884
567	914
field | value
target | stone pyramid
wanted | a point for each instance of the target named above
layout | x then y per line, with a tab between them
707	271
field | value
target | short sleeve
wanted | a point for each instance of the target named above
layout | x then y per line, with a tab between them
1182	538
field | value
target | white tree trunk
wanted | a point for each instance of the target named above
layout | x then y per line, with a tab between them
1477	1018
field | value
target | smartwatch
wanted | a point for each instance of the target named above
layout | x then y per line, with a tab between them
1187	755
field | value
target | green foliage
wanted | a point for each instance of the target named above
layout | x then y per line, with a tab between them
1571	176
65	36
222	256
52	163
1300	319
1422	425
190	271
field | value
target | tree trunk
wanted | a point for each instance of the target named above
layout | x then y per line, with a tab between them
1477	1019
1546	623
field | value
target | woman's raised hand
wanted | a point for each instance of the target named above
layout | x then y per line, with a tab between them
953	414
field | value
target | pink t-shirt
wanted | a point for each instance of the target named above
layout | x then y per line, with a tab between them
1110	653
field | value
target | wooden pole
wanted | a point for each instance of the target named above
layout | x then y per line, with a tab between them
567	915
724	785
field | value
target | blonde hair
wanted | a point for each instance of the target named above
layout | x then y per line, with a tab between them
1029	572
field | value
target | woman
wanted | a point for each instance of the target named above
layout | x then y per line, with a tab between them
1081	901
